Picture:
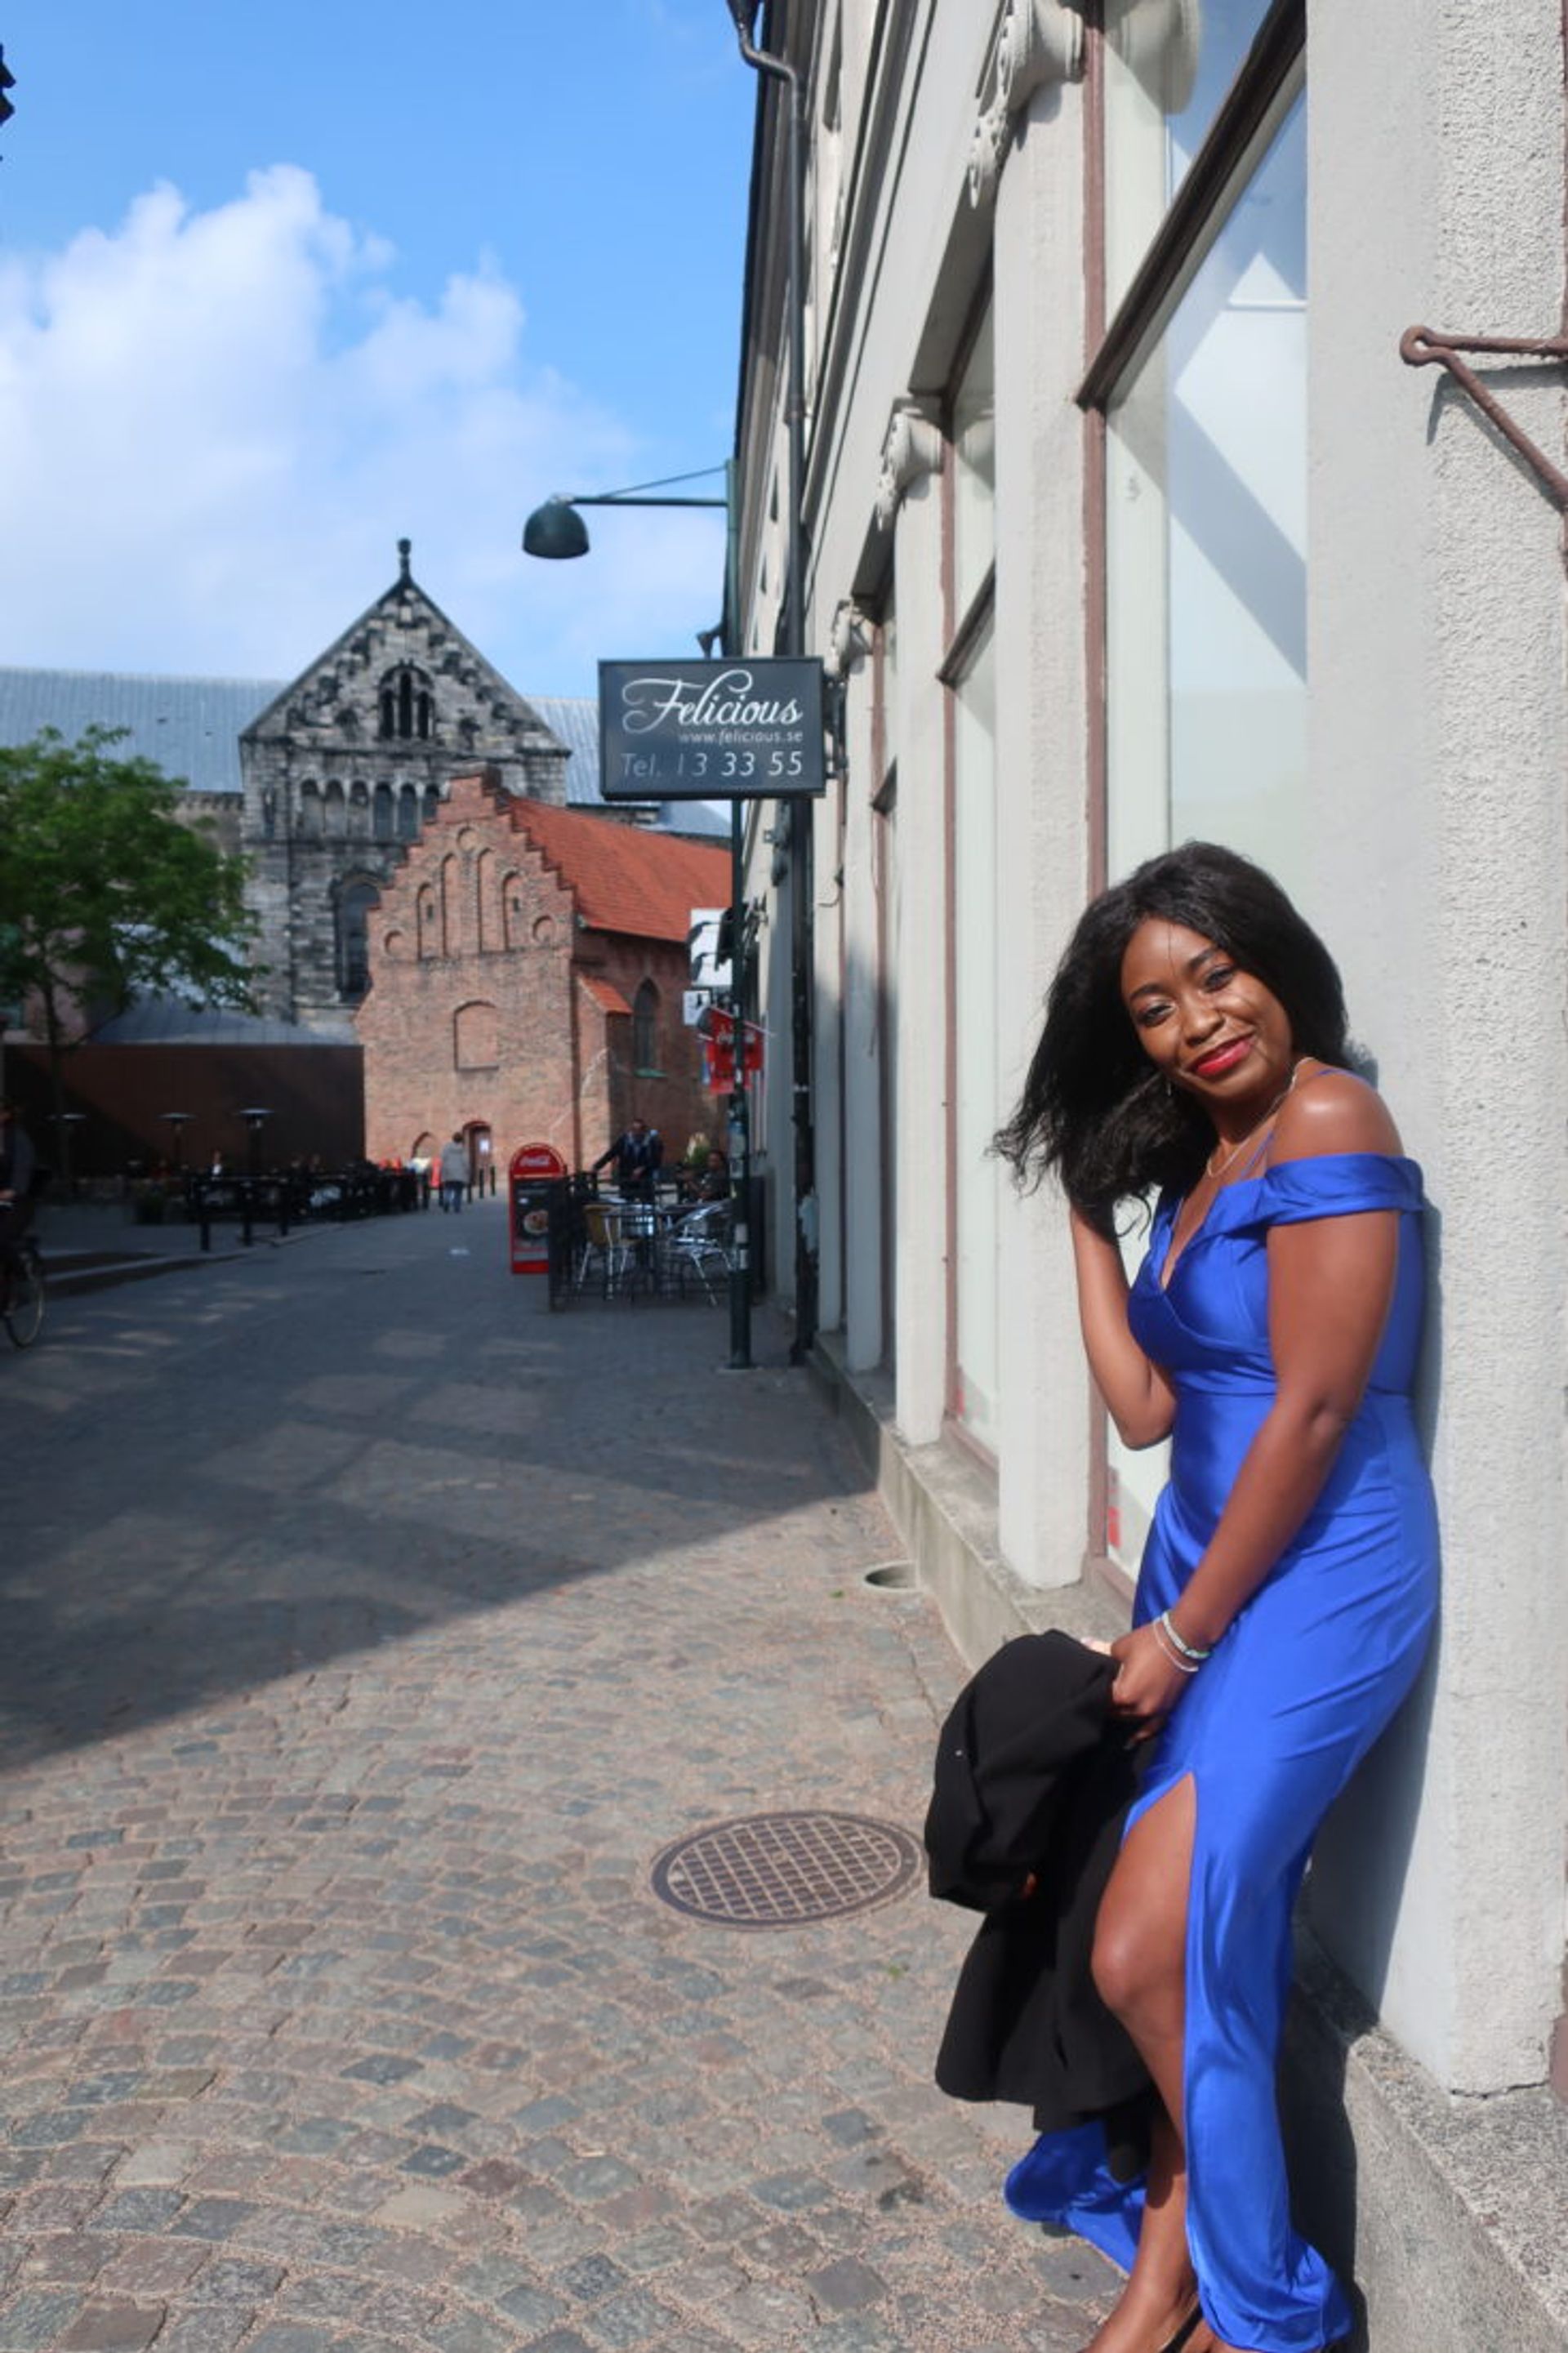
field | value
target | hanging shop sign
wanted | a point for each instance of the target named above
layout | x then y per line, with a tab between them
710	731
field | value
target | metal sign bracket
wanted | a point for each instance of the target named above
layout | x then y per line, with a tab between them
1421	347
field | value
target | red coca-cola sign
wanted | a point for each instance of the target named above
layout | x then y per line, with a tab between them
533	1174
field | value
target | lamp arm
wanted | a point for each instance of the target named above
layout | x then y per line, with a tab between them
623	499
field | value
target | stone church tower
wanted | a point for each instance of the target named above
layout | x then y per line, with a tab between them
340	772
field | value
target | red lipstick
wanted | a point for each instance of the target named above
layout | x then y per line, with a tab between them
1223	1058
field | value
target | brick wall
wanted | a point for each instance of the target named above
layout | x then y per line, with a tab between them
668	1096
479	1009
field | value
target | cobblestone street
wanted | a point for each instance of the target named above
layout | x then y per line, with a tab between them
368	1633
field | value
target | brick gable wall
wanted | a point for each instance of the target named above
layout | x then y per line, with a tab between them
480	1008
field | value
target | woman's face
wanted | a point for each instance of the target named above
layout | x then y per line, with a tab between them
1215	1031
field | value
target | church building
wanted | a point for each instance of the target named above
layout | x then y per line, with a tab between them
326	784
342	766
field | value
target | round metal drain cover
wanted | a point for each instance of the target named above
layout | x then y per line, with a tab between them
781	1871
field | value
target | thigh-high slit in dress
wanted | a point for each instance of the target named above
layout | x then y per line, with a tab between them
1307	1675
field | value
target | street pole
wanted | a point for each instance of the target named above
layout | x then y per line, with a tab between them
556	531
799	816
739	1154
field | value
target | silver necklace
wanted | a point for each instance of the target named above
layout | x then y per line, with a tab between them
1213	1172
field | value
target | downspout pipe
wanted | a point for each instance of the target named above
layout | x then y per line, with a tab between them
778	69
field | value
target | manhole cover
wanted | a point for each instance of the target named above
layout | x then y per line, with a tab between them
780	1871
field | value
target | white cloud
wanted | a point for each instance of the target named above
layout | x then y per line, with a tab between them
217	423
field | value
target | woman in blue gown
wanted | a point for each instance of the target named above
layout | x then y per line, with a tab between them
1194	1044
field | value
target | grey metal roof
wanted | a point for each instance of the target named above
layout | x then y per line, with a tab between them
189	725
168	1021
576	720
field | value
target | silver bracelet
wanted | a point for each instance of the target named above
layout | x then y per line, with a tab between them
1187	1649
1161	1636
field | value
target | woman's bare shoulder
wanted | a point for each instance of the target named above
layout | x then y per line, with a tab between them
1331	1111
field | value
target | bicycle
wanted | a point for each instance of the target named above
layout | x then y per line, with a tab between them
22	1293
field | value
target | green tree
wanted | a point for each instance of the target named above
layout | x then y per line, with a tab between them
105	893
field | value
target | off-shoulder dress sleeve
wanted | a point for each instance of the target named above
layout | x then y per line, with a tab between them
1337	1185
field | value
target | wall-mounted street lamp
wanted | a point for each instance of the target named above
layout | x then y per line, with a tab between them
556	532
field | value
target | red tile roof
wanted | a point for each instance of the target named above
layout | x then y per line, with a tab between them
624	879
605	994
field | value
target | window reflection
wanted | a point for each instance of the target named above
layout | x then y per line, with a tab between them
1169	64
1207	498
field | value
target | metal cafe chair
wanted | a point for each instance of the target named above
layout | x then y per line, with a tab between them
604	1250
700	1244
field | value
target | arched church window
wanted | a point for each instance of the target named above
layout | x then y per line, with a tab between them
432	801
408	813
355	900
645	1028
408	706
381	813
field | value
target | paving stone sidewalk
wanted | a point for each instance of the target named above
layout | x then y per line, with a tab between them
370	1633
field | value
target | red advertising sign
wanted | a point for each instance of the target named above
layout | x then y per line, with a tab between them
717	1030
534	1172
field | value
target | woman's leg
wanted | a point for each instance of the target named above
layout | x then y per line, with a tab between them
1139	1968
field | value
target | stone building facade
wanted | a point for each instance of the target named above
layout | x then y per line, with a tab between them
526	965
1126	522
341	769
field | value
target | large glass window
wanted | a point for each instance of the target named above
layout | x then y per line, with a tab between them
1206	544
1168	67
1203	384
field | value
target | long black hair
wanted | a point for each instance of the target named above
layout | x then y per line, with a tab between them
1094	1108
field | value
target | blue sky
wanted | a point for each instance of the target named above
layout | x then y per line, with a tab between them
281	284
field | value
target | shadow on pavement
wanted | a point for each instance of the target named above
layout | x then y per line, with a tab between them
245	1471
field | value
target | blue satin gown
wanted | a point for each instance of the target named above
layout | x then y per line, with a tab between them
1307	1676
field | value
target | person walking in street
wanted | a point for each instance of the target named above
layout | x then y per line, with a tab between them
1195	1042
454	1171
639	1156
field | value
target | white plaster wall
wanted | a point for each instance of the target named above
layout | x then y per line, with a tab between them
827	1053
1439	748
1041	766
920	976
915	208
863	1329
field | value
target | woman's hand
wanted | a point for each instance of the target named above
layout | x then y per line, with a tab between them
1148	1682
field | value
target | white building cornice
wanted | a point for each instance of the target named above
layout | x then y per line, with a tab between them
910	447
1037	42
848	638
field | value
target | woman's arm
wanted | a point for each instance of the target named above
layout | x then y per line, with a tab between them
1138	1398
1330	1280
